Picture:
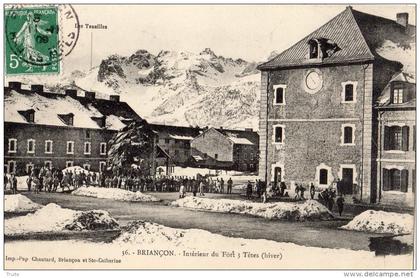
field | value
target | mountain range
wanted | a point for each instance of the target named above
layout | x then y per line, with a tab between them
176	88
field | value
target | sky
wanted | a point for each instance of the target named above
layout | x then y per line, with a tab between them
236	31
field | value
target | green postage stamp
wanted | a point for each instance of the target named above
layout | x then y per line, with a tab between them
32	40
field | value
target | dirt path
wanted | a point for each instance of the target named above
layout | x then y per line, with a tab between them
316	234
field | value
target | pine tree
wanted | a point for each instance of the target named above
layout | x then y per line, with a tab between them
133	144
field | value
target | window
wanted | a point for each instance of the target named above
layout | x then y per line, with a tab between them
176	152
278	134
396	138
48	146
70	147
279	94
87	148
86	166
69	163
348	93
87	134
347	134
186	153
31	117
102	166
397	93
12	145
167	141
323	176
48	164
313	49
395	179
11	165
31	146
103	148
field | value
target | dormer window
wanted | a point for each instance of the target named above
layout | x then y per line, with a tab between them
320	48
313	49
397	93
29	115
68	119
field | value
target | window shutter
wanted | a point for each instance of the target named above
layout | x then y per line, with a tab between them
405	95
404	180
385	178
414	138
386	137
405	138
413	181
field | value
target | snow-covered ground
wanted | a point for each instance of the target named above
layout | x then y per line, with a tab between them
53	218
232	252
309	210
381	222
19	203
114	194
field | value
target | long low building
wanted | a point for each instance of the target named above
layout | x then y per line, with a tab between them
59	130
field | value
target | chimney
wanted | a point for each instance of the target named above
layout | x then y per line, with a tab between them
115	98
90	95
37	88
402	19
14	85
71	93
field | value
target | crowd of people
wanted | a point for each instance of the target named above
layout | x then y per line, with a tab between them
49	180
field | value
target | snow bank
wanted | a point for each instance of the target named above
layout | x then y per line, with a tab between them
381	222
19	203
114	194
53	218
309	210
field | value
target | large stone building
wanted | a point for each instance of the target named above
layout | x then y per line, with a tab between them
318	121
59	130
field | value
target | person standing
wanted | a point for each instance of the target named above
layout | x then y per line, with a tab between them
229	186
264	192
6	181
249	190
312	190
340	204
13	183
201	189
222	186
282	188
195	187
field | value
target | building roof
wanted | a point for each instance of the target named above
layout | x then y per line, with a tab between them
177	132
237	137
358	36
48	106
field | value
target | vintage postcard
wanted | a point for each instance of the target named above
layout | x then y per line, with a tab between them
186	136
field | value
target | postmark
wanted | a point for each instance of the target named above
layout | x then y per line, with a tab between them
39	37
